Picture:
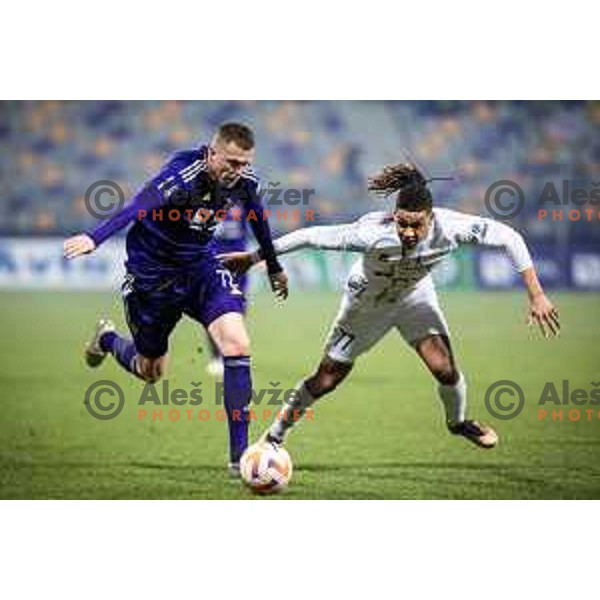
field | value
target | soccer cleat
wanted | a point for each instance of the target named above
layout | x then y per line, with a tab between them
94	355
482	435
234	470
215	368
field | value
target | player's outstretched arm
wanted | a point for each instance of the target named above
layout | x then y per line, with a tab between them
277	276
325	237
87	242
541	311
332	237
150	197
488	232
262	232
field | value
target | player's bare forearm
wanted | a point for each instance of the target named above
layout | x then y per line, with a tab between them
532	283
541	310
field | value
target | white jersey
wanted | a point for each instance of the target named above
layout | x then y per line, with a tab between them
386	270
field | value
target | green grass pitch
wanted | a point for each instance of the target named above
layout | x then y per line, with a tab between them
380	435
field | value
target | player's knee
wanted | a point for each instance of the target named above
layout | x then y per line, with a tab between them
445	373
236	347
437	355
230	335
327	378
236	344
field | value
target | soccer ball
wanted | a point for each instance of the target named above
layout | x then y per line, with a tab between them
266	468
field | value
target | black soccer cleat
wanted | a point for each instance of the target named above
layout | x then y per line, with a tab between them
481	435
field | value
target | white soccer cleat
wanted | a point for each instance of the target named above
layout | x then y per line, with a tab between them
233	468
94	355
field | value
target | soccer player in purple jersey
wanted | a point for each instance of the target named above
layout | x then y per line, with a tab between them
172	268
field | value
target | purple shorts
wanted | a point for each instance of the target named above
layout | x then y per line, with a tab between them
153	308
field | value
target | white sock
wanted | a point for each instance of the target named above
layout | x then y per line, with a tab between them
454	399
293	411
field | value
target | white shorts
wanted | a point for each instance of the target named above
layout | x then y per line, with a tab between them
360	324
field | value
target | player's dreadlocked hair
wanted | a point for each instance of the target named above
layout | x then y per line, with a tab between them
408	182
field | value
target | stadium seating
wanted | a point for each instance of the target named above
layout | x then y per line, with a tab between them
52	151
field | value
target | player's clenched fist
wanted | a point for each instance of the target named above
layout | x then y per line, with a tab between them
78	245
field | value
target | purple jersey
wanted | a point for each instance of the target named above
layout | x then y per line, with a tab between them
175	216
232	233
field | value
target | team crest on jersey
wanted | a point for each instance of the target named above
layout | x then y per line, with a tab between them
476	233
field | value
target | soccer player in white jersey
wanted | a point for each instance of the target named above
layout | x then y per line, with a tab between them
390	287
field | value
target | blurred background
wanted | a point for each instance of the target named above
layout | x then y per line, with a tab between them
53	151
371	442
